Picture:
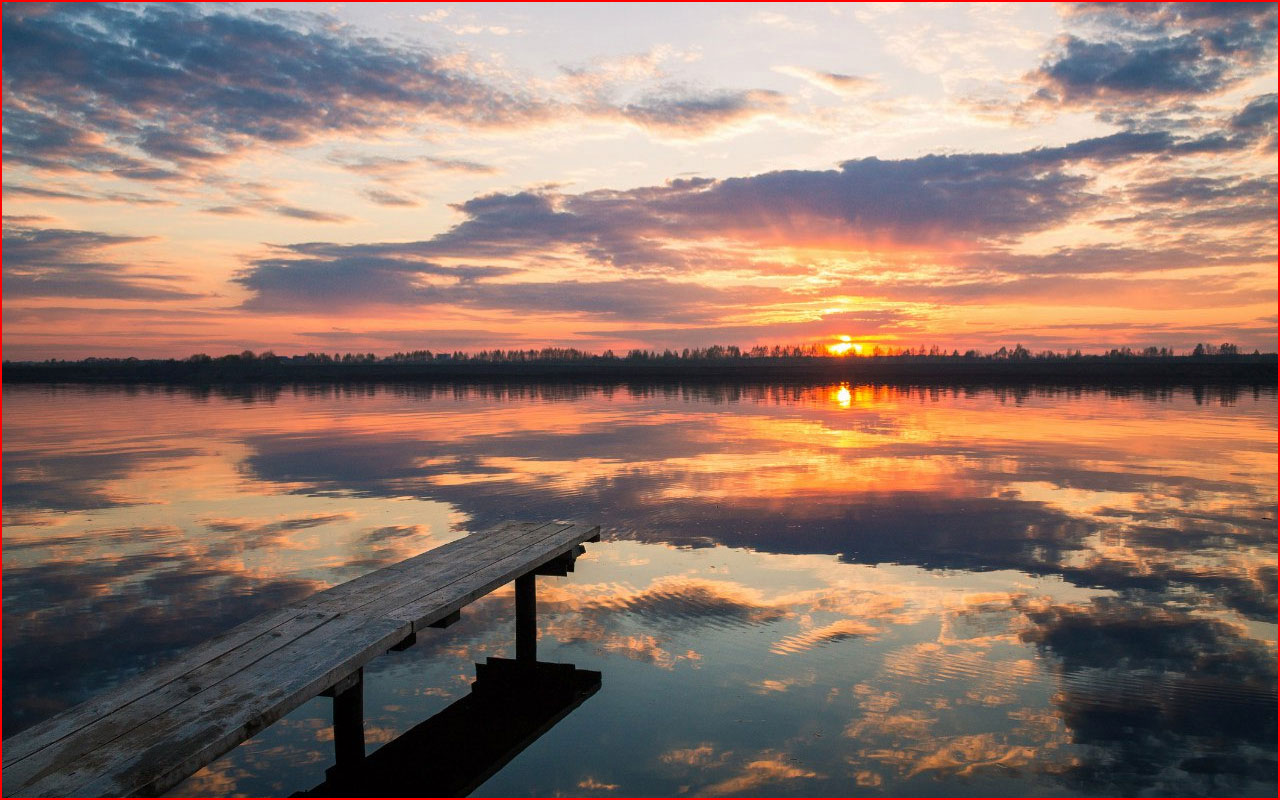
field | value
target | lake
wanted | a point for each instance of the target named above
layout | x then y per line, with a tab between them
801	590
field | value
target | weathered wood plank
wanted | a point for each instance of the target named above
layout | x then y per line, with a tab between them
153	758
432	606
153	732
432	575
49	731
161	699
462	548
62	725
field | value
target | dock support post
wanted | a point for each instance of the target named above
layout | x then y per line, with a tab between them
526	618
348	722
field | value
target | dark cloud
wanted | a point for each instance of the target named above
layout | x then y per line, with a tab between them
84	85
930	198
674	111
390	198
1259	113
54	262
1087	260
461	165
227	211
1199	190
927	202
176	147
388	170
156	92
41	141
310	215
378	167
356	279
1142	53
628	299
1189	201
132	198
342	280
44	194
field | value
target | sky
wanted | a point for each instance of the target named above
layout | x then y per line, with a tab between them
192	178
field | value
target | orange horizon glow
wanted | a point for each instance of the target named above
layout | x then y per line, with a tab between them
845	346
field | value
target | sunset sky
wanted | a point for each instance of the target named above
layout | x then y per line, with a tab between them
298	177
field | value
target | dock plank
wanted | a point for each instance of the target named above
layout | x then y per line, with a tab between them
392	573
513	555
46	733
427	608
162	698
445	565
155	730
154	758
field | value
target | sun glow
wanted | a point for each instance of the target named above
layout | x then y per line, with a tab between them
844	347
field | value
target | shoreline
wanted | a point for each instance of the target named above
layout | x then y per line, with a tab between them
1242	370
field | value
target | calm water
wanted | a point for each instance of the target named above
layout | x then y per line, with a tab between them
817	591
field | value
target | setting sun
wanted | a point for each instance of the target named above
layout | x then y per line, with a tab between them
844	347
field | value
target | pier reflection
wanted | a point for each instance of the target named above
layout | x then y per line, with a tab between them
511	704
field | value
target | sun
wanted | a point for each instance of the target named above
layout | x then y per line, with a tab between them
844	347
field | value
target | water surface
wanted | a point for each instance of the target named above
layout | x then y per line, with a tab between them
833	590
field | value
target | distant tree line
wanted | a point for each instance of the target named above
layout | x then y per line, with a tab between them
563	355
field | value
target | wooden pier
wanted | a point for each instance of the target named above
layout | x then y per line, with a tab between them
149	734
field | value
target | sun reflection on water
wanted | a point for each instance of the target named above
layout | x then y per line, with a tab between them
834	586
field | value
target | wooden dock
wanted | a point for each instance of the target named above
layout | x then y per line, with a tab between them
149	734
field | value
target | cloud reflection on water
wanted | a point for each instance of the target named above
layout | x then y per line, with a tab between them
941	585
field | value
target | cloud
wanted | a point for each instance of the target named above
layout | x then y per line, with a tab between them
931	198
461	165
1092	259
1259	113
937	205
627	299
39	140
310	215
82	196
834	82
352	276
86	85
346	277
383	198
674	111
1164	52
386	169
55	262
163	93
227	211
44	194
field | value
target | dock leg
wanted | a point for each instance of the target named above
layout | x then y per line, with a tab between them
348	723
526	619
